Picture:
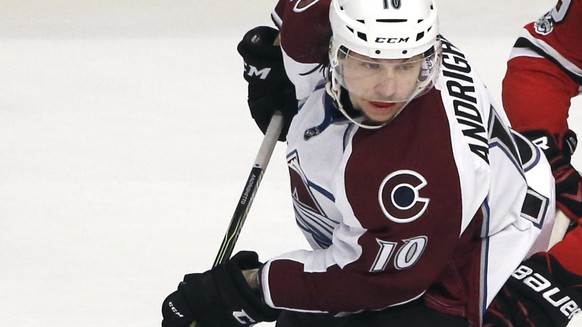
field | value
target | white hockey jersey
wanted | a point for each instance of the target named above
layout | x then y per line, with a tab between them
442	203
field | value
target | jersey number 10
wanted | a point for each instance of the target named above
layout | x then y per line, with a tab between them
405	255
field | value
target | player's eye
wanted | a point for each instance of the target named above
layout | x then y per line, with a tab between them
370	65
405	67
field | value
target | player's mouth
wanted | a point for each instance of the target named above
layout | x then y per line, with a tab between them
382	105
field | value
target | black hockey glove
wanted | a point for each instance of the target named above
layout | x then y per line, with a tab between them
269	88
539	293
220	297
559	149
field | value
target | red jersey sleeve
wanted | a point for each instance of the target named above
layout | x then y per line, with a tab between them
568	251
536	95
545	70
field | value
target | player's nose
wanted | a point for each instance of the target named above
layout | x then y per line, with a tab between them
386	87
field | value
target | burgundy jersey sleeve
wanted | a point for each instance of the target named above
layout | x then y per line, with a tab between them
305	30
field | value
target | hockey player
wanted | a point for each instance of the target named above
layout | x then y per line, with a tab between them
543	74
417	198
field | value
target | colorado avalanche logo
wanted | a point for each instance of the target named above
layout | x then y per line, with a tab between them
399	196
309	213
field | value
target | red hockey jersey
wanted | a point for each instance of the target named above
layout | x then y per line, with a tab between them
545	70
543	74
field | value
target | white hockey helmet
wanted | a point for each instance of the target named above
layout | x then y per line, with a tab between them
384	29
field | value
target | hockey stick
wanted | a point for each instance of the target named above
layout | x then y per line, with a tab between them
249	191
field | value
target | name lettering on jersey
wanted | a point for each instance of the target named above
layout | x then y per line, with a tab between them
399	196
460	86
552	294
254	71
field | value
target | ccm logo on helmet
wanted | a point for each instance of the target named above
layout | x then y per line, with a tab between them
399	196
392	39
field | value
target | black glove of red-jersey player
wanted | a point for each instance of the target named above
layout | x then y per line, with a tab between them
559	149
539	293
269	88
220	297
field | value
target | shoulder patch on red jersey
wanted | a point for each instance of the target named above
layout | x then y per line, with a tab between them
544	25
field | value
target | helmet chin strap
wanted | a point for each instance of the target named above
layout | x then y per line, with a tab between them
335	93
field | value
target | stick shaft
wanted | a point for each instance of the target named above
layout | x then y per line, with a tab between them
249	191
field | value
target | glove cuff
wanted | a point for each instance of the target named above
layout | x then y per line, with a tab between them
554	145
249	260
259	43
567	142
542	280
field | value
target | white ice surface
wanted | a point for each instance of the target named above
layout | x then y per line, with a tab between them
125	142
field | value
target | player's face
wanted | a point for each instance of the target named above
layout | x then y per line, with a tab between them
380	87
